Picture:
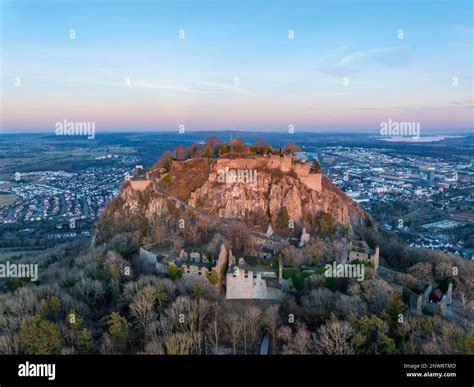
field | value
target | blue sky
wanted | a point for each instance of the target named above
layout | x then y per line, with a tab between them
281	81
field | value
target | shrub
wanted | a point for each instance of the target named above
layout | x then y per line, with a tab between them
85	342
118	329
49	308
40	337
167	179
283	218
224	149
427	325
173	272
212	277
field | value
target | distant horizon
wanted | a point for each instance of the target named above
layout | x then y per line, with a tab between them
51	132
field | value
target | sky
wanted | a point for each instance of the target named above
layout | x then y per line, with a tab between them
260	65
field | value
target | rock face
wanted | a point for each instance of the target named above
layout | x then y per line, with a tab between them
276	183
305	237
139	200
274	188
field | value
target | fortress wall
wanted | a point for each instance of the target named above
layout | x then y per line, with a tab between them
313	181
283	163
152	259
194	271
376	257
139	185
302	169
161	268
241	287
242	163
353	255
147	256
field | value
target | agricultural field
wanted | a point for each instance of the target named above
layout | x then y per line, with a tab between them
7	199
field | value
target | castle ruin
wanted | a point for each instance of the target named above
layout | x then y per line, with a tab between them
283	163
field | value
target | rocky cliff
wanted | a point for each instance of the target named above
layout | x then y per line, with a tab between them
272	190
265	189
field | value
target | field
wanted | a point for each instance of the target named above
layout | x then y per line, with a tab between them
7	199
15	254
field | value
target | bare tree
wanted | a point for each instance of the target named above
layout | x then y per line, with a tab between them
297	343
179	343
143	308
253	316
334	338
377	293
292	255
422	271
232	324
238	146
195	150
262	147
193	231
319	302
212	333
160	233
238	236
203	311
271	321
107	346
302	339
244	329
165	160
181	152
291	148
154	347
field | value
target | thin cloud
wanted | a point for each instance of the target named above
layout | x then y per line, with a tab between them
387	56
212	86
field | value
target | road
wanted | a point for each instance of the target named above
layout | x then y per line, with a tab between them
265	344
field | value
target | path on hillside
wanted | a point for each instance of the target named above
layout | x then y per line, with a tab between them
387	274
203	214
207	217
265	343
411	213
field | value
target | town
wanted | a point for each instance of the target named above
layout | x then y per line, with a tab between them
427	201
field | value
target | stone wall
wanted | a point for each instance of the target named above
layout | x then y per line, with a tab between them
243	285
420	303
152	259
139	185
313	181
193	270
282	163
240	163
376	257
437	308
302	169
366	257
147	256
